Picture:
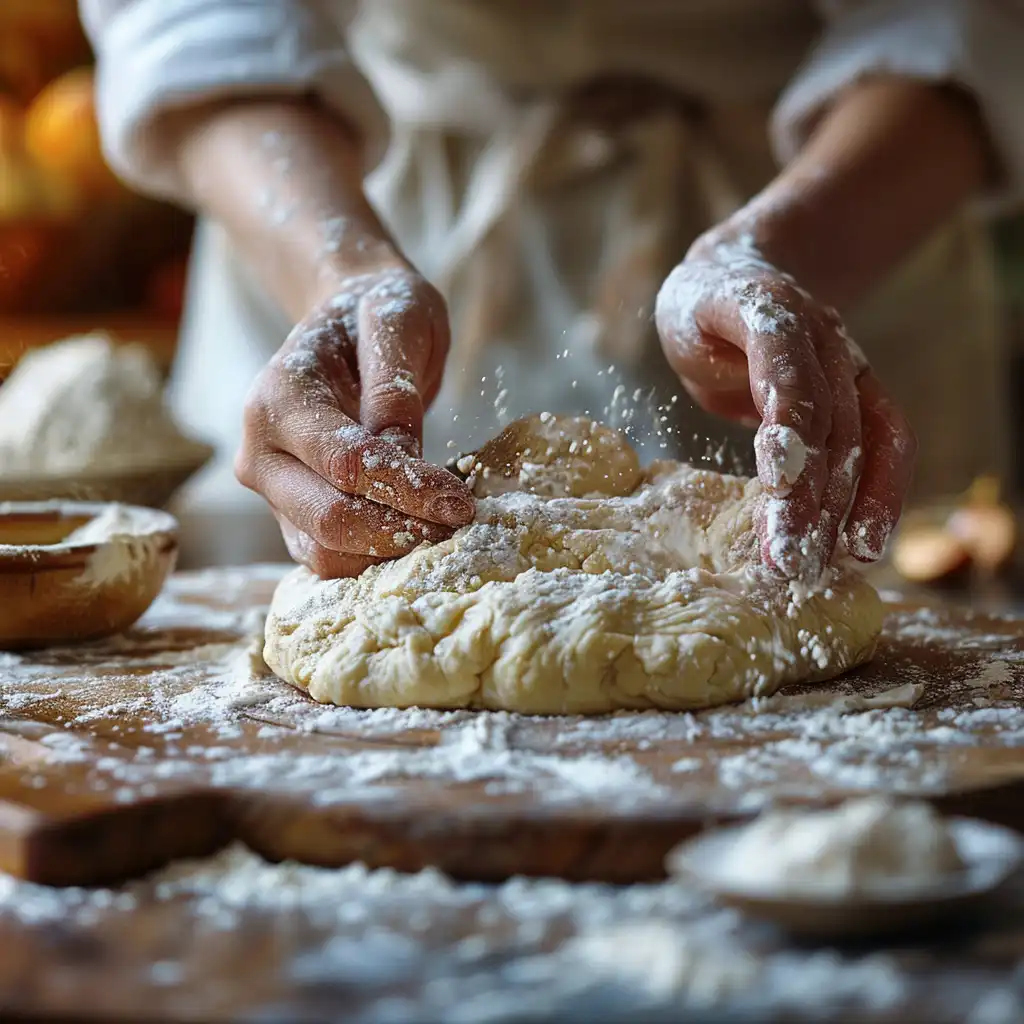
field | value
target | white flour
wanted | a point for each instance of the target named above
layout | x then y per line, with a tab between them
523	950
789	745
410	947
85	405
126	537
861	847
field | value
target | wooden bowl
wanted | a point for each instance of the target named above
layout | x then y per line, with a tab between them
150	486
56	590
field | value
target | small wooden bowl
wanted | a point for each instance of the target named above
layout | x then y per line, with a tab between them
56	592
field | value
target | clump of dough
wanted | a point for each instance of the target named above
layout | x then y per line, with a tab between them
557	457
549	604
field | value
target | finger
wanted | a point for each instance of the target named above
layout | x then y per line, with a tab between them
338	521
710	363
307	423
890	448
318	360
791	393
400	326
325	563
845	443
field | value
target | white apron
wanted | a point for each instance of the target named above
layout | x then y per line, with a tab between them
549	221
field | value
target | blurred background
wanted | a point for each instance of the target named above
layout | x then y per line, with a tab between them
78	251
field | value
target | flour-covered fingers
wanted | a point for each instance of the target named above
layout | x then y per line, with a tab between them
791	447
709	365
338	521
311	422
402	345
295	412
845	441
353	460
325	563
890	448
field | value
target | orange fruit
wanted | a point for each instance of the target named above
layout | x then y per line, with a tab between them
62	135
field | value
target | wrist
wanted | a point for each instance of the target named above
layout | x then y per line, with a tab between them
375	258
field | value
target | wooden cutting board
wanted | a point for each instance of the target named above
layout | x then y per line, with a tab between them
172	740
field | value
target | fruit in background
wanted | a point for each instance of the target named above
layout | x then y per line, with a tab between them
20	191
63	137
985	526
979	532
929	554
165	292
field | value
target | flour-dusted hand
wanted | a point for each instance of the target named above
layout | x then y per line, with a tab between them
833	452
333	427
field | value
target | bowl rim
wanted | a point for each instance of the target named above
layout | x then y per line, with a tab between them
162	527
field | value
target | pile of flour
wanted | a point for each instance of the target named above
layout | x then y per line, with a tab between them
863	845
86	405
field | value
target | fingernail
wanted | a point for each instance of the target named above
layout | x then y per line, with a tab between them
450	509
866	542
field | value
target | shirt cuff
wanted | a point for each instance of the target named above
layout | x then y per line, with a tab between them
155	56
974	44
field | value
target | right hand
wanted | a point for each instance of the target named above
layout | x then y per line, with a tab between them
334	425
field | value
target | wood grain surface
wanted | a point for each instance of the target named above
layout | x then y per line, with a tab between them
170	741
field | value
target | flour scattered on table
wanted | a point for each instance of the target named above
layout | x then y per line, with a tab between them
526	949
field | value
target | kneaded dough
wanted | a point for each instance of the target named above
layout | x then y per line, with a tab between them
575	605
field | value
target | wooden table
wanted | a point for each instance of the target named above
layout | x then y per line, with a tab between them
234	937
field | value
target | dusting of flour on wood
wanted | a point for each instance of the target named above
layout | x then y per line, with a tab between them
185	697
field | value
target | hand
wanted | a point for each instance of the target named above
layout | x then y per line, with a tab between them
832	450
333	427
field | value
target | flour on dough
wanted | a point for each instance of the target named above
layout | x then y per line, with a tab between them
565	605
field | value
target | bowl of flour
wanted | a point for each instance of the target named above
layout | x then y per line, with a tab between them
85	419
868	865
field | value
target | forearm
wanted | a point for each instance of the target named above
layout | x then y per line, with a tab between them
285	180
890	162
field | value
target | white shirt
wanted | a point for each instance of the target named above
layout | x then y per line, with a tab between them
454	98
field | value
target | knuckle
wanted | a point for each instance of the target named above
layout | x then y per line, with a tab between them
325	523
245	468
257	412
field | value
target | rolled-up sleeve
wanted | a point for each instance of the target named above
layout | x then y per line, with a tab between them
976	44
154	56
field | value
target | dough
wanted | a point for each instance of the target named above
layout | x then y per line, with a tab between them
550	605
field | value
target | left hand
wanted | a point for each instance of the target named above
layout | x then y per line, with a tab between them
833	451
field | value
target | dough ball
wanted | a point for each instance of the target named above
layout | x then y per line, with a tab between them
652	598
555	456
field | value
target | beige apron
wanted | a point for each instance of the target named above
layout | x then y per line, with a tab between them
549	198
